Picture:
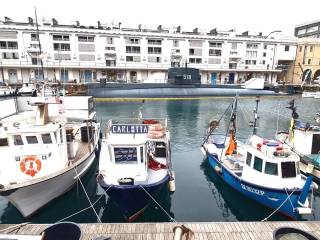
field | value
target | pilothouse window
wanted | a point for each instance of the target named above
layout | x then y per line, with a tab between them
248	160
257	165
288	169
32	139
17	140
271	168
46	138
123	155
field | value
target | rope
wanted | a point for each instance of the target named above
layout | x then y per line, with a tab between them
84	208
99	220
170	217
15	226
290	200
277	209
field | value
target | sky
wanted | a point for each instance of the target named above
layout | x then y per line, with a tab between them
242	15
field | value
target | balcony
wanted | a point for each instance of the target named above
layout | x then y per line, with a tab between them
33	49
110	50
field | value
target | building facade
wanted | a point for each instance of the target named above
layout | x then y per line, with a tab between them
75	53
306	66
310	29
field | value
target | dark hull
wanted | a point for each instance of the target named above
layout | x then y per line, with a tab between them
132	199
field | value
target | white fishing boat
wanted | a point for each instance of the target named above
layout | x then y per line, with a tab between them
304	139
135	163
306	94
45	147
261	169
27	89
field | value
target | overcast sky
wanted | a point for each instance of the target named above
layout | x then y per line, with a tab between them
253	15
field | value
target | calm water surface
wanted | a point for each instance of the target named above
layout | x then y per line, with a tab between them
200	195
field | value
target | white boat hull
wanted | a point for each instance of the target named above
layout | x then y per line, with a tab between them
29	199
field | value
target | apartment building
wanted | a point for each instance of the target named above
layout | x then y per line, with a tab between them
76	53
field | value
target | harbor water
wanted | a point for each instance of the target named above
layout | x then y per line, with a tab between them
200	195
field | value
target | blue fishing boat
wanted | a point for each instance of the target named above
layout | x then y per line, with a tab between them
266	171
135	163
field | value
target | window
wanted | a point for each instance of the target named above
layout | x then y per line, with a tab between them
3	45
300	49
264	54
288	169
125	155
34	37
257	164
10	55
248	159
32	139
132	49
17	140
154	59
309	61
252	46
85	39
265	47
195	60
61	136
175	43
215	44
154	41
214	52
311	48
234	46
251	54
154	50
12	45
61	46
271	168
141	154
263	62
132	41
251	62
129	58
34	61
191	51
60	37
110	40
46	138
286	48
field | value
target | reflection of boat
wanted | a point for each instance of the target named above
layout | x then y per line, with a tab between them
135	163
304	138
46	150
28	89
306	94
262	170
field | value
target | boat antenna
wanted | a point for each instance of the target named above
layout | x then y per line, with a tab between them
40	48
255	111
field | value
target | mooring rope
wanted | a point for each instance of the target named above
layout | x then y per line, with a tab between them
170	217
76	213
277	209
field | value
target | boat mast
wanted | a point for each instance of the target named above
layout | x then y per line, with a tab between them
256	116
40	48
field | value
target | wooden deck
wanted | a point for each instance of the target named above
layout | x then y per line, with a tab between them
163	231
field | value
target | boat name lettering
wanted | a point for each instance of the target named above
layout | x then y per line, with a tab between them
129	129
253	190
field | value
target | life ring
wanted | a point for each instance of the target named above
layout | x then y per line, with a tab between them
150	121
156	127
281	153
30	165
155	134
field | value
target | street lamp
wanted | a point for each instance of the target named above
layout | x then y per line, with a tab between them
275	31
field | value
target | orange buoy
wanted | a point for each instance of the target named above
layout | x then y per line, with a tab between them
30	165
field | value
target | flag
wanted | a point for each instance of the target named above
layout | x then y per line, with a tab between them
232	143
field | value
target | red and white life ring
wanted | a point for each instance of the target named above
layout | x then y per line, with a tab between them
156	127
155	134
30	165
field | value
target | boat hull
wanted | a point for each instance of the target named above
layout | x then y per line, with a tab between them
132	199
29	199
271	198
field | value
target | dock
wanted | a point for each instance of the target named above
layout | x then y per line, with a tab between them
164	231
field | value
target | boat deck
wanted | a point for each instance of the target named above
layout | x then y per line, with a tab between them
164	231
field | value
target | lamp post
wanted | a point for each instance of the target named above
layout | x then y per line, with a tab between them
274	52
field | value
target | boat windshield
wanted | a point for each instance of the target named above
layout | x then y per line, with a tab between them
288	169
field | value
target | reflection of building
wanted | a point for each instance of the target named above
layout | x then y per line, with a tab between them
307	58
85	54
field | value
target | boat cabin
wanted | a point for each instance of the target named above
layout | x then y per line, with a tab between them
306	139
269	164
